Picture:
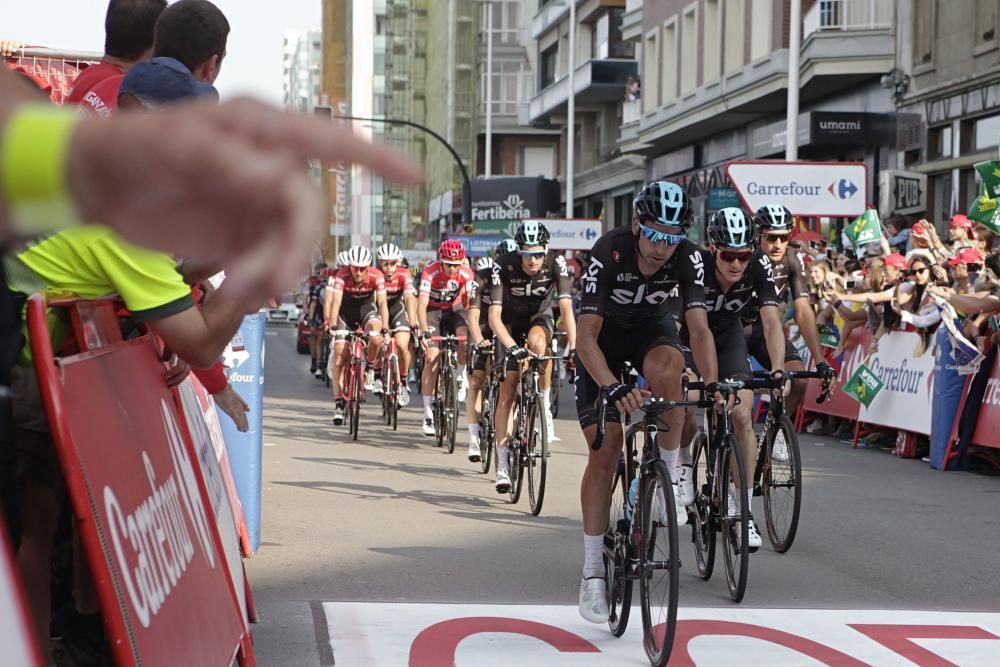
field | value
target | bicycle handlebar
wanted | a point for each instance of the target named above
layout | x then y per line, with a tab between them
440	339
827	380
650	407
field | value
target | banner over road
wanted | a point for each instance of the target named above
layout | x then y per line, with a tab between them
821	189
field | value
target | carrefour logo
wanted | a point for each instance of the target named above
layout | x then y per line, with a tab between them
589	234
842	188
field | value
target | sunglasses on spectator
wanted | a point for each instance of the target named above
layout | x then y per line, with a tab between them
777	238
656	237
731	257
532	254
913	272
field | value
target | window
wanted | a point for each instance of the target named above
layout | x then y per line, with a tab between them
506	81
599	43
760	28
732	49
547	67
606	41
923	32
689	49
985	24
506	21
650	75
538	161
713	26
939	142
669	67
378	63
986	133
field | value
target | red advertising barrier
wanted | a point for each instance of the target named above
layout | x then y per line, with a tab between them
856	350
16	636
143	510
987	433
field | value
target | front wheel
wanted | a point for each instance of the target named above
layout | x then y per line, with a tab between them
450	412
555	387
703	524
536	454
658	563
736	524
782	485
515	450
487	428
618	550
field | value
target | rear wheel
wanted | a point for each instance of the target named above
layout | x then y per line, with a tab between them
357	396
556	386
536	454
439	407
618	551
703	525
392	390
735	529
658	564
450	412
782	486
487	427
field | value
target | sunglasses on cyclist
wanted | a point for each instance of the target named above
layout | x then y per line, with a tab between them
534	254
656	237
777	238
730	256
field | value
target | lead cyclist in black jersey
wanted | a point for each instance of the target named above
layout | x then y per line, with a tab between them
774	224
625	315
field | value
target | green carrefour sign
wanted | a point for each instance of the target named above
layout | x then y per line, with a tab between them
501	227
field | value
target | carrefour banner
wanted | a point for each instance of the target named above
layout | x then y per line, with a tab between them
907	383
244	360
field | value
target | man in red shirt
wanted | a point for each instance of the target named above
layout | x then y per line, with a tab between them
441	305
128	39
355	300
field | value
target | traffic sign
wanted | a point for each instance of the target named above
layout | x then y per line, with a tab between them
822	189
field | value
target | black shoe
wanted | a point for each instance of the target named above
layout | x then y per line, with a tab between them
312	368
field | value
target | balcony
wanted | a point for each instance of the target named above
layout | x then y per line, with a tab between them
847	15
597	82
548	17
631	112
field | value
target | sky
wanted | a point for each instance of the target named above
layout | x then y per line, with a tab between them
255	50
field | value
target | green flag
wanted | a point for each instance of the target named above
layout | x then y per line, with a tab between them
984	207
828	337
863	386
864	230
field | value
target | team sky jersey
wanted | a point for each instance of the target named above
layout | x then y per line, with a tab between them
357	294
614	289
480	297
524	295
446	293
790	282
400	284
755	287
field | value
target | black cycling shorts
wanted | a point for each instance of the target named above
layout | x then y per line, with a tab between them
357	317
519	332
733	360
757	346
398	319
445	322
620	345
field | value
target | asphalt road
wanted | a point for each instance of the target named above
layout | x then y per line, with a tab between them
391	518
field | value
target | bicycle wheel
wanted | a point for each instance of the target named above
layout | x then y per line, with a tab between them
735	548
391	396
705	522
515	450
618	552
658	563
556	386
487	428
356	396
439	407
782	486
450	412
536	454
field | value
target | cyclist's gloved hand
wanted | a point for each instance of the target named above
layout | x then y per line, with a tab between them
485	344
825	370
425	335
626	399
724	394
518	353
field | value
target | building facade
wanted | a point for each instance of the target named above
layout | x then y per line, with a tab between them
303	70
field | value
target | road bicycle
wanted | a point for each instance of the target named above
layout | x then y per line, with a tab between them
560	370
487	415
354	377
392	382
641	538
445	406
528	446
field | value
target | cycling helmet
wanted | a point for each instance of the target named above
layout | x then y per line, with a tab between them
531	232
359	256
773	217
730	228
452	252
484	263
665	203
341	258
389	252
504	247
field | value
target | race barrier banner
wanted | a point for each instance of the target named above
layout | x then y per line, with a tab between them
16	636
987	433
841	404
244	360
905	398
140	501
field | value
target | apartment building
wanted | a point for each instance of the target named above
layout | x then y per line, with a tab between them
947	82
303	69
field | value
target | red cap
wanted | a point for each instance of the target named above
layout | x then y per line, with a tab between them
895	259
959	221
966	256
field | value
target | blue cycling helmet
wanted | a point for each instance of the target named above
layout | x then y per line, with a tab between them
665	203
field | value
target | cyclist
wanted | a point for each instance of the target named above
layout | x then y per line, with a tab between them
314	318
441	305
774	224
736	277
625	315
519	317
482	336
402	303
355	300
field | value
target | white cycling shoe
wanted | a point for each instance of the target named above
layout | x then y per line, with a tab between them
779	450
503	481
428	428
594	600
404	396
474	453
685	484
550	428
753	537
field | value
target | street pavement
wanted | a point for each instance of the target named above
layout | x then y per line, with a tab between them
372	549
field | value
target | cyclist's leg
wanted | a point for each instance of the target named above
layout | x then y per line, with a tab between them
399	323
797	392
431	355
508	392
734	362
373	324
474	399
538	342
337	363
315	342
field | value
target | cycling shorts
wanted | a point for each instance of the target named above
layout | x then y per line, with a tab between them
398	319
445	322
620	345
733	360
356	318
519	332
757	346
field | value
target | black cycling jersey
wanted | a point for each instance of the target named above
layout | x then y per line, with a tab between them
480	297
522	295
614	289
790	282
754	288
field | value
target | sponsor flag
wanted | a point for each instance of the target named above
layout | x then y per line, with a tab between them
864	230
984	207
864	385
828	337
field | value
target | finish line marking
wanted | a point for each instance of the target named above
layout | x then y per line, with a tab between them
435	635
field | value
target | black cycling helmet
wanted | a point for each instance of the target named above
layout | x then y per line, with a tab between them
774	217
665	203
531	232
731	228
504	247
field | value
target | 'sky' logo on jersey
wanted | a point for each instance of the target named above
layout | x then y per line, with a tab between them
626	297
590	280
699	267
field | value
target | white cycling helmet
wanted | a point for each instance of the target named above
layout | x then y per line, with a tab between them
389	252
342	258
484	263
359	256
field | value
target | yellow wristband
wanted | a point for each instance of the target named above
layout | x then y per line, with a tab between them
33	168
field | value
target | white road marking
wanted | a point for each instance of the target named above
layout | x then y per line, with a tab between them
422	635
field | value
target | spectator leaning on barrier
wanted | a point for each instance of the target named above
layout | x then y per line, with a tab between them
128	39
